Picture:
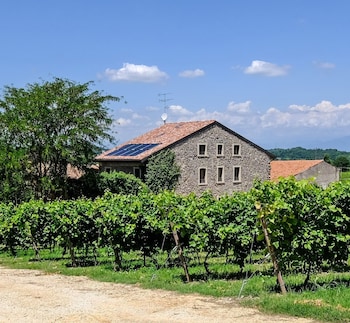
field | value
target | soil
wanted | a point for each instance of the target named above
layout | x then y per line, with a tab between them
34	296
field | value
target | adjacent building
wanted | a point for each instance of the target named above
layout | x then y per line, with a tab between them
322	172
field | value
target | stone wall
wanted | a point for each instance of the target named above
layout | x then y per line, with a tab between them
323	173
254	163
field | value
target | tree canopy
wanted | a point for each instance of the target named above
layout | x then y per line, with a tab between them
46	126
342	161
329	155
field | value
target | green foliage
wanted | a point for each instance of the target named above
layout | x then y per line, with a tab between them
120	183
345	176
162	173
14	176
46	126
308	226
85	186
119	216
342	161
328	155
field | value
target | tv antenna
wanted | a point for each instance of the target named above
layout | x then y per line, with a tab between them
164	100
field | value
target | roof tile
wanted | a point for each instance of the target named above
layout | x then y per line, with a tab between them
164	136
285	168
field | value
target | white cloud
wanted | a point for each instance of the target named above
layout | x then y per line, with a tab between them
123	122
266	68
132	114
136	73
324	65
138	116
323	115
179	110
295	125
152	108
275	118
192	73
126	110
243	107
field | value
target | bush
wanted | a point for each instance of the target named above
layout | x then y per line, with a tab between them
120	183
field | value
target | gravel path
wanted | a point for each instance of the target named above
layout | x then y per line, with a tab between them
33	296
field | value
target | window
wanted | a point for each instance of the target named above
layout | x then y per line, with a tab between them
236	174
236	150
137	172
202	180
219	150
220	175
108	169
202	149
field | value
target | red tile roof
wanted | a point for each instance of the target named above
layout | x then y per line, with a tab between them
164	136
285	168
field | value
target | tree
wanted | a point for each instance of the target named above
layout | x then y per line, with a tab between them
342	161
327	159
162	173
52	124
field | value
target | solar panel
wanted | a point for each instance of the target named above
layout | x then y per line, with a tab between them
132	149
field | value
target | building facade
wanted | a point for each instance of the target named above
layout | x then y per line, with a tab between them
210	155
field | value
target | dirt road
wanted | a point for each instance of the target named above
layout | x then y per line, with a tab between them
33	296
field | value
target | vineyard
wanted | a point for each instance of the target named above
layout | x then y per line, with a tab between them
307	227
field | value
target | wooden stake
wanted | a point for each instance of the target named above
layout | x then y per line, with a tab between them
180	252
273	257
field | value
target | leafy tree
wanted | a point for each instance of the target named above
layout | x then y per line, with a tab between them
49	125
162	172
342	161
327	159
13	176
328	155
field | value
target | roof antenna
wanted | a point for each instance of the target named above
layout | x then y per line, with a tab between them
164	99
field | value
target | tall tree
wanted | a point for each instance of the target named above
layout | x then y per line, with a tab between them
53	124
342	161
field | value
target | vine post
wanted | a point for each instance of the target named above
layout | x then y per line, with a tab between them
271	251
180	252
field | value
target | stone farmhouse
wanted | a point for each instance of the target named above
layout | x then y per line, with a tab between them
322	172
210	155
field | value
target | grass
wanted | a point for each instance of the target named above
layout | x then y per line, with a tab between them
326	299
344	176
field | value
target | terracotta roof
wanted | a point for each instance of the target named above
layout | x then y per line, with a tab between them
75	173
285	168
164	136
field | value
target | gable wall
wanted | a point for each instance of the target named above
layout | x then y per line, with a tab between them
254	163
323	173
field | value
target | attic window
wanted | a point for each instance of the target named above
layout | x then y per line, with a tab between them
132	149
202	150
220	149
236	150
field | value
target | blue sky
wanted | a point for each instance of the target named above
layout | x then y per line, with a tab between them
277	72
